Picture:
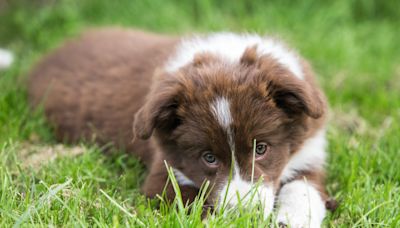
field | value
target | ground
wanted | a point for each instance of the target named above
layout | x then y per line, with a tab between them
352	44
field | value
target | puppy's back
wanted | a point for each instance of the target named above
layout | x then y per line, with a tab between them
93	85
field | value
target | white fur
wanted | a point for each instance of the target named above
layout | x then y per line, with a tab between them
182	178
221	110
239	190
248	193
6	59
312	155
231	47
300	205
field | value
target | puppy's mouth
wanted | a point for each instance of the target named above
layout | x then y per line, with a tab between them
240	193
234	192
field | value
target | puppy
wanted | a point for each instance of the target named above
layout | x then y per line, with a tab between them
211	106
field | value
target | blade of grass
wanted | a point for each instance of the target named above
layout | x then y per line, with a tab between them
117	204
45	198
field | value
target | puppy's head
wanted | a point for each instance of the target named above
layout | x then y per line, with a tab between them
214	119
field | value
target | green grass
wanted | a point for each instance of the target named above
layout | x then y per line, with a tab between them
352	44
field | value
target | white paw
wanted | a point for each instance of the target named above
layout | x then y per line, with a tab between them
297	221
300	206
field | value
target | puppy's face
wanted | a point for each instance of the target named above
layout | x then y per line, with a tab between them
234	125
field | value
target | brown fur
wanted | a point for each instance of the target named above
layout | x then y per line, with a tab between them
94	85
178	108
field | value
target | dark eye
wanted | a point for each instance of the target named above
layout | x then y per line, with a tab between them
261	148
210	158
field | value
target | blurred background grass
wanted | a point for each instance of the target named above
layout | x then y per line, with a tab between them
352	44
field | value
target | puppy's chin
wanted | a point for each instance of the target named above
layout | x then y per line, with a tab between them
239	193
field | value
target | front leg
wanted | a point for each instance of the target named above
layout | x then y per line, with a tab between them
155	184
300	204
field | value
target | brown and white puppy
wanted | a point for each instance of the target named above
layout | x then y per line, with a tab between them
198	103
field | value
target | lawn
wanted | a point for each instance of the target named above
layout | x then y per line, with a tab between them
352	44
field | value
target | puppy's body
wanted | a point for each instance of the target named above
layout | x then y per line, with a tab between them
199	104
92	87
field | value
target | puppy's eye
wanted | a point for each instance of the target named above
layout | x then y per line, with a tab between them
210	158
261	148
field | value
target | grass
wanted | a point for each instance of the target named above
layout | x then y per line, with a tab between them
352	44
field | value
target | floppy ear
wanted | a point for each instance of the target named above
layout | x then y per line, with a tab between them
159	111
293	95
296	96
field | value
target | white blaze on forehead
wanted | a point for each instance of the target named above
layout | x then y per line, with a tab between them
231	47
222	112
